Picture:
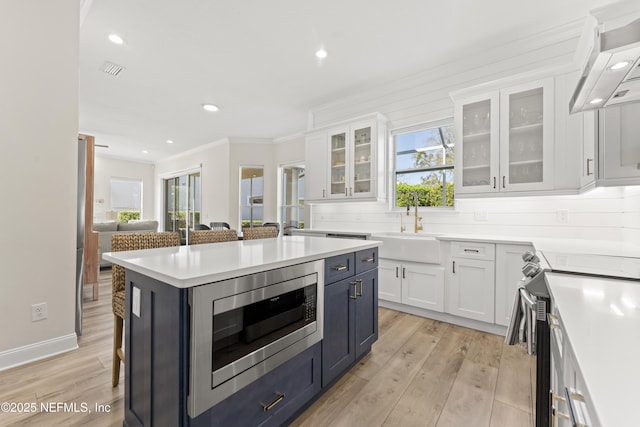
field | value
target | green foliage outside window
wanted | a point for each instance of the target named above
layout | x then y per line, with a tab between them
126	216
428	195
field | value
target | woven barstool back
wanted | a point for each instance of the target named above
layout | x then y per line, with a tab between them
197	237
259	233
130	242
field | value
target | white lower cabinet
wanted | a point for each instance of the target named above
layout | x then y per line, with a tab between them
411	283
508	273
472	287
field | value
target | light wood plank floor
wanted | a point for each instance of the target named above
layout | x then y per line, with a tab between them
420	372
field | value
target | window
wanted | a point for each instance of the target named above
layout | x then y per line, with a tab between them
182	196
292	202
424	166
251	195
126	198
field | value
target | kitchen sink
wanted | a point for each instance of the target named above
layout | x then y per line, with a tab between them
407	246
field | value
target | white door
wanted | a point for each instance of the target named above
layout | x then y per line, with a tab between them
508	273
423	286
389	288
472	289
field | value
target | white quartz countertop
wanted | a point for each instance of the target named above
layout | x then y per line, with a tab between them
604	339
193	265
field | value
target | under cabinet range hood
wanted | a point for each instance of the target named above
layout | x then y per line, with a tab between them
609	55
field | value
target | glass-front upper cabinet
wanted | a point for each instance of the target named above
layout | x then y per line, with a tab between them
506	139
361	161
526	136
477	121
338	159
351	158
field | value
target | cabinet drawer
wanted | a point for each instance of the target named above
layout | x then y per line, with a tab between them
473	250
272	399
366	260
339	267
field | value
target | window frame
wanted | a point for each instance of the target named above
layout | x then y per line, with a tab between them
393	133
250	206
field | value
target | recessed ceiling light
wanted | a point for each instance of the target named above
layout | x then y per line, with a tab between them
595	101
619	65
169	141
210	107
145	152
116	39
321	53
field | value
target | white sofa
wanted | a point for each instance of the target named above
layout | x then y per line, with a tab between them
107	229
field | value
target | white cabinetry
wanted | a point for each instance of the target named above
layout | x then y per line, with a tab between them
589	142
316	166
508	273
411	283
472	286
618	148
505	139
346	161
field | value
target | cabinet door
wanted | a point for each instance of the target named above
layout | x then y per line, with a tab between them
619	149
508	274
526	136
339	158
338	344
389	280
315	182
472	289
423	286
589	134
362	158
477	144
366	313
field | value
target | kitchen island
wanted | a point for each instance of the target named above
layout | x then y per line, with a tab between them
197	355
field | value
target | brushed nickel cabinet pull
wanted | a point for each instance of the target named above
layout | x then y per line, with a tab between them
588	170
355	290
360	293
404	273
397	271
340	267
454	267
269	406
346	192
504	180
472	250
494	182
324	193
368	259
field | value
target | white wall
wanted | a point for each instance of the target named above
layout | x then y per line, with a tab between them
38	168
107	168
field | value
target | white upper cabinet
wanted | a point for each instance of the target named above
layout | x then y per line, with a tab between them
618	147
346	162
506	139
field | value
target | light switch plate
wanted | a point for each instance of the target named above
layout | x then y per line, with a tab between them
135	301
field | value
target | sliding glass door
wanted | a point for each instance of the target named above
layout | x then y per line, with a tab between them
182	203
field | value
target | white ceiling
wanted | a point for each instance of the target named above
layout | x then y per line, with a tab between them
255	59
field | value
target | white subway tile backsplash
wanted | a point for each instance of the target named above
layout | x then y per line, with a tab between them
603	214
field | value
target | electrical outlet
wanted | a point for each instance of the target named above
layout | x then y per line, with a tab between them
562	216
39	312
480	216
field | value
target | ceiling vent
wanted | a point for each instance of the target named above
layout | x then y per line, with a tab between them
111	68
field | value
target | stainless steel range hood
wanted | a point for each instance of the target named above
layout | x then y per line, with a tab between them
609	54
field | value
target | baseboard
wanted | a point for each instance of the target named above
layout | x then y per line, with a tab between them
40	350
445	317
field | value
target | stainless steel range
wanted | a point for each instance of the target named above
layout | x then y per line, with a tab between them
243	328
532	309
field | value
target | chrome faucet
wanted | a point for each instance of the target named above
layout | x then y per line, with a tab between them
417	226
